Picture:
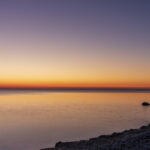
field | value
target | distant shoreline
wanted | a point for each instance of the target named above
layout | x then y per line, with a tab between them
133	139
79	89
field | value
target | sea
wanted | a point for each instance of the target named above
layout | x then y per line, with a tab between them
32	120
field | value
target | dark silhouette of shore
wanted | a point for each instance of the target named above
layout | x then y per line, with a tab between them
133	139
76	89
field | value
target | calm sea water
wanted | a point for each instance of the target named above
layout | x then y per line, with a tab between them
31	121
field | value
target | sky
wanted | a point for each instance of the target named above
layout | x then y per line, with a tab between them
74	43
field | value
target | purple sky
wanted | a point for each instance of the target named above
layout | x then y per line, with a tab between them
95	41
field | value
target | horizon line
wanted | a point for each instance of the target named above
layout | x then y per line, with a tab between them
78	88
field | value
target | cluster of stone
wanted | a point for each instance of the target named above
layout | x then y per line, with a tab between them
133	139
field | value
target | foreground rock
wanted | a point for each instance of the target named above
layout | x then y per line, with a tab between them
134	139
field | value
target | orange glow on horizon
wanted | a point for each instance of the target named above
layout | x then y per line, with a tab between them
74	85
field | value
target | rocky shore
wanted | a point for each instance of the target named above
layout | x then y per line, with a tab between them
133	139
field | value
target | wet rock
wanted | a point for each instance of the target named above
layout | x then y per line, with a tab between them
145	104
133	139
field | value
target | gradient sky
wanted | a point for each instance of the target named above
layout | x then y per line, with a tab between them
75	43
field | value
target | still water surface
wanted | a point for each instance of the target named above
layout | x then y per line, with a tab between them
35	120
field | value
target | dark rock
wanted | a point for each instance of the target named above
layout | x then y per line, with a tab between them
58	144
145	104
133	139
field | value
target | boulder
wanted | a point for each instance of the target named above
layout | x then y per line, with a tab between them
145	104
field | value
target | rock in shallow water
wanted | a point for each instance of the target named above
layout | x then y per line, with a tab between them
145	104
